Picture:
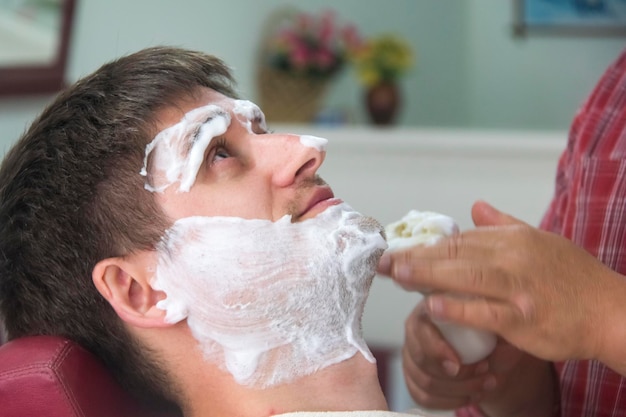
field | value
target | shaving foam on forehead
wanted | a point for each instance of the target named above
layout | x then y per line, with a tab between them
248	112
271	301
178	152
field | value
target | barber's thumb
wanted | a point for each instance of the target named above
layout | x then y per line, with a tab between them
484	214
384	265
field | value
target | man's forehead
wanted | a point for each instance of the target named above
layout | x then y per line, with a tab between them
172	115
209	104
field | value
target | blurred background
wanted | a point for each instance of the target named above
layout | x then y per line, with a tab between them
481	112
469	70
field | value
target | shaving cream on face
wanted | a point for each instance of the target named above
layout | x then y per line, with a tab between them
177	152
247	112
426	228
314	142
269	313
267	301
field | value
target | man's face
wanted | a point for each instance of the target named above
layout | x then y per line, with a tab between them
246	171
268	269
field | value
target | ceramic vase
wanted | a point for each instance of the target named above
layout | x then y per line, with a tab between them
382	102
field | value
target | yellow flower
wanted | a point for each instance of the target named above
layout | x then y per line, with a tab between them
384	58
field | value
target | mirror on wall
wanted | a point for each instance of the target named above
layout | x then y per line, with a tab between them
34	40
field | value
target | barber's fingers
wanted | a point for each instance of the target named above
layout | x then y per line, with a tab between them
434	374
444	393
484	214
483	244
425	347
456	276
445	248
498	234
504	358
501	317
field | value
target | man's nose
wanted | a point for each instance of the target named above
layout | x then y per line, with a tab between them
289	158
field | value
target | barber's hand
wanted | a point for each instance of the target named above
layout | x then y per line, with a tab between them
508	382
537	290
433	372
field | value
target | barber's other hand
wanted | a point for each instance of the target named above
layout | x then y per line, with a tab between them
433	372
537	290
508	382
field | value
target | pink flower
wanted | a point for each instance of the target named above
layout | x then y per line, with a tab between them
300	56
304	22
351	37
327	27
325	59
313	45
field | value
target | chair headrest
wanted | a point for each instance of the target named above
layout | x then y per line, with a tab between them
55	377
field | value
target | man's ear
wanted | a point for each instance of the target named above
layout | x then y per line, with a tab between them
123	282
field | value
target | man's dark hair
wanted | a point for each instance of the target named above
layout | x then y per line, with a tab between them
71	195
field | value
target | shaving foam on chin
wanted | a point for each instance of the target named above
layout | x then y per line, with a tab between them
267	301
426	228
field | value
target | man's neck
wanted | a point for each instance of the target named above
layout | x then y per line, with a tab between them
349	385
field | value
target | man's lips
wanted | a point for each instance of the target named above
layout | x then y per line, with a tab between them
320	201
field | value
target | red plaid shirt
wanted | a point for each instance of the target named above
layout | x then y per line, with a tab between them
589	207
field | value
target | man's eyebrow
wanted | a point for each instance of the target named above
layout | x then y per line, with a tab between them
193	138
258	118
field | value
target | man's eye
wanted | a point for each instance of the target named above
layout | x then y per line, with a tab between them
260	131
219	152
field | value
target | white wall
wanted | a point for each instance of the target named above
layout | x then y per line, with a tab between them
105	30
536	82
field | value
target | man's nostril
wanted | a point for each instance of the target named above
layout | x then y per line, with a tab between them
306	166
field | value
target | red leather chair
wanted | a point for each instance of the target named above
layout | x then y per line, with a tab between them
55	377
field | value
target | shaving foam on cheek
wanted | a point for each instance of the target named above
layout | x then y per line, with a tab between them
178	151
270	313
426	228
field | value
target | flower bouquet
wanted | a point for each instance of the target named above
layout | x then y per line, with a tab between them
301	54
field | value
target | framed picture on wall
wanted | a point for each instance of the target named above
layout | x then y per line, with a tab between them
34	44
570	17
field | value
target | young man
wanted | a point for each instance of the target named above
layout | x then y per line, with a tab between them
150	216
